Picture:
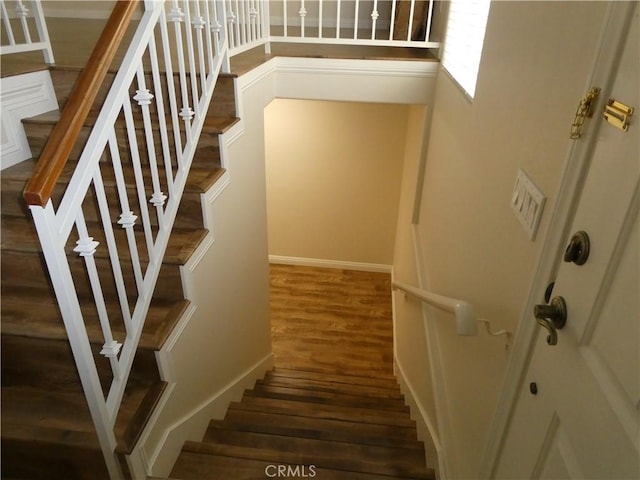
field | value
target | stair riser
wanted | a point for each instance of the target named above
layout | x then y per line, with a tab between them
23	359
223	103
27	271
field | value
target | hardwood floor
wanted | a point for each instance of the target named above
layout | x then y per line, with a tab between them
331	320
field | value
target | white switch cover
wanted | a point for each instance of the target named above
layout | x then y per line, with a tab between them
527	202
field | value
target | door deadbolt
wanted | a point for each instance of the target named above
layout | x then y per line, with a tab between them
578	249
553	317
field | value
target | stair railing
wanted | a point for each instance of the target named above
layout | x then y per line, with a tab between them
393	23
20	40
247	24
138	152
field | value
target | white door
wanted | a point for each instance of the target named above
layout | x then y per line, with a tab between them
580	419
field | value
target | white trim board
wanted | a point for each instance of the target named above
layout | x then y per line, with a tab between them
22	96
323	263
193	424
424	424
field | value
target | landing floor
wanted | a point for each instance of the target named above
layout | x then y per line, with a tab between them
331	320
76	49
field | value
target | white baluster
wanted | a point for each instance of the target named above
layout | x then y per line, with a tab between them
137	170
411	13
320	19
302	13
231	21
237	24
216	27
112	247
143	97
285	17
7	23
199	25
427	34
23	13
43	32
374	19
253	16
162	119
173	103
193	70
211	50
242	12
127	218
356	20
186	113
86	248
393	19
338	8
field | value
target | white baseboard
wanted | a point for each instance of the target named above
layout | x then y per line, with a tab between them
317	262
426	431
193	425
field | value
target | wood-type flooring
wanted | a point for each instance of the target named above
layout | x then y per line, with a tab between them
331	407
331	320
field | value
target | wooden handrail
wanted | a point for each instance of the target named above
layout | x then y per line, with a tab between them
65	134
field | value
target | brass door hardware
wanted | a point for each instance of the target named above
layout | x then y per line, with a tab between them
584	111
578	249
617	114
552	317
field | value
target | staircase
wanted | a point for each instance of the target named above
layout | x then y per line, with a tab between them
338	425
47	431
303	424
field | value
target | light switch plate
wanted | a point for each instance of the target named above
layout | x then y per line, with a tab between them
527	202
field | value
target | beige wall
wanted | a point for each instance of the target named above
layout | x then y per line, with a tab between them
226	343
535	65
333	179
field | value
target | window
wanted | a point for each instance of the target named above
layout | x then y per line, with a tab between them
463	41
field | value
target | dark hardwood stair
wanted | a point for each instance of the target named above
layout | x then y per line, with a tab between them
334	426
47	431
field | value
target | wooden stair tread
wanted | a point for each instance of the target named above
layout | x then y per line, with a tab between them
332	455
10	70
379	380
19	235
199	180
335	387
38	317
212	124
31	414
300	418
26	410
328	398
313	410
321	429
77	69
195	466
